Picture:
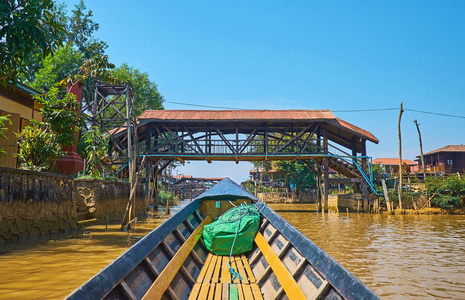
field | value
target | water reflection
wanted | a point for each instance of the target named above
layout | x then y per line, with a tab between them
51	269
399	257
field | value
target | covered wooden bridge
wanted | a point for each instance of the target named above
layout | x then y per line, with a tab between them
315	137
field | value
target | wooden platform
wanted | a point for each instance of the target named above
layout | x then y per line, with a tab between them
215	282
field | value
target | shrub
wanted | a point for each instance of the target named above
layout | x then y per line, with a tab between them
446	190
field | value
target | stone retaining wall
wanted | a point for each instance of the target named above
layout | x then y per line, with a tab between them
283	197
105	200
35	203
38	203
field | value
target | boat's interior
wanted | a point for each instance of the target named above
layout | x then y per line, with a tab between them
181	267
172	262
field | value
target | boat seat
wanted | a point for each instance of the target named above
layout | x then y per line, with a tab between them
215	281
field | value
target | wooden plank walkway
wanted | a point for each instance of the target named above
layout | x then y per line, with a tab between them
215	283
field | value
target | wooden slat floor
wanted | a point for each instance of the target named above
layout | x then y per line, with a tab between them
215	282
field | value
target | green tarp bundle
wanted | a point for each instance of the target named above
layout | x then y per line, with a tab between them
238	226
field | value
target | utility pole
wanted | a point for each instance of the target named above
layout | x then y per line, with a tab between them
421	150
400	157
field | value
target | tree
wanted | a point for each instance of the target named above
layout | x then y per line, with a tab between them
54	68
94	146
40	145
38	148
146	94
80	28
59	115
27	28
297	173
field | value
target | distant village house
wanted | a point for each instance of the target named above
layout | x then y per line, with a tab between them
391	165
448	159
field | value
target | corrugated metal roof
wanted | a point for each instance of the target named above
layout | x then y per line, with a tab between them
239	115
392	161
448	148
346	125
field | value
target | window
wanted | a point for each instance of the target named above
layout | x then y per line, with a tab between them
449	162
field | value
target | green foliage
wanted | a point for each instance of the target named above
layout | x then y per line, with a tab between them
80	29
446	190
164	196
55	68
38	149
146	94
94	146
27	28
59	115
297	173
40	146
3	129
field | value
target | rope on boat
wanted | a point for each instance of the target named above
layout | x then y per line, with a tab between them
241	211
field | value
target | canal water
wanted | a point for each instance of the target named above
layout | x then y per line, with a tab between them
399	257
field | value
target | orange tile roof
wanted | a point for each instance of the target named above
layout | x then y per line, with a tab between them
392	161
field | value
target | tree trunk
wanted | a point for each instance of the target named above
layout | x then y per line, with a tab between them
421	151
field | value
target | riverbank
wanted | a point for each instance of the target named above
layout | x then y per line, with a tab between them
430	211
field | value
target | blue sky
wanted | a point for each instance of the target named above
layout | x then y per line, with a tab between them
338	55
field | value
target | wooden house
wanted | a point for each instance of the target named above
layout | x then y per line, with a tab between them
448	159
391	165
18	103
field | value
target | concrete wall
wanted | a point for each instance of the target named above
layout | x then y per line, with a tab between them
342	202
37	203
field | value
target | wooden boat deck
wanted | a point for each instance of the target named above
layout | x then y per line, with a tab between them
215	282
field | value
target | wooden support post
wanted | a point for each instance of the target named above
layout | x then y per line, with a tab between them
400	157
318	191
365	194
326	168
147	163
386	196
421	150
155	188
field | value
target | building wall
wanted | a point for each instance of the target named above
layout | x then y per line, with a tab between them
21	109
448	162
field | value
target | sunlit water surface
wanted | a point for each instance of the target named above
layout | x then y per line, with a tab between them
398	257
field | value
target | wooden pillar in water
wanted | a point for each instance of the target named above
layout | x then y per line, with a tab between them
155	188
365	192
318	189
326	168
148	163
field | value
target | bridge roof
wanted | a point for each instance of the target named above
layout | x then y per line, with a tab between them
339	127
236	115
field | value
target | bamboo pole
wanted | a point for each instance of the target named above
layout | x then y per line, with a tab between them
400	157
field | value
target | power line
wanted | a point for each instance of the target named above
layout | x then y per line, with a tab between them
338	111
362	110
200	105
434	113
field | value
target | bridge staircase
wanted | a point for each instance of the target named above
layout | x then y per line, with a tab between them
349	166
